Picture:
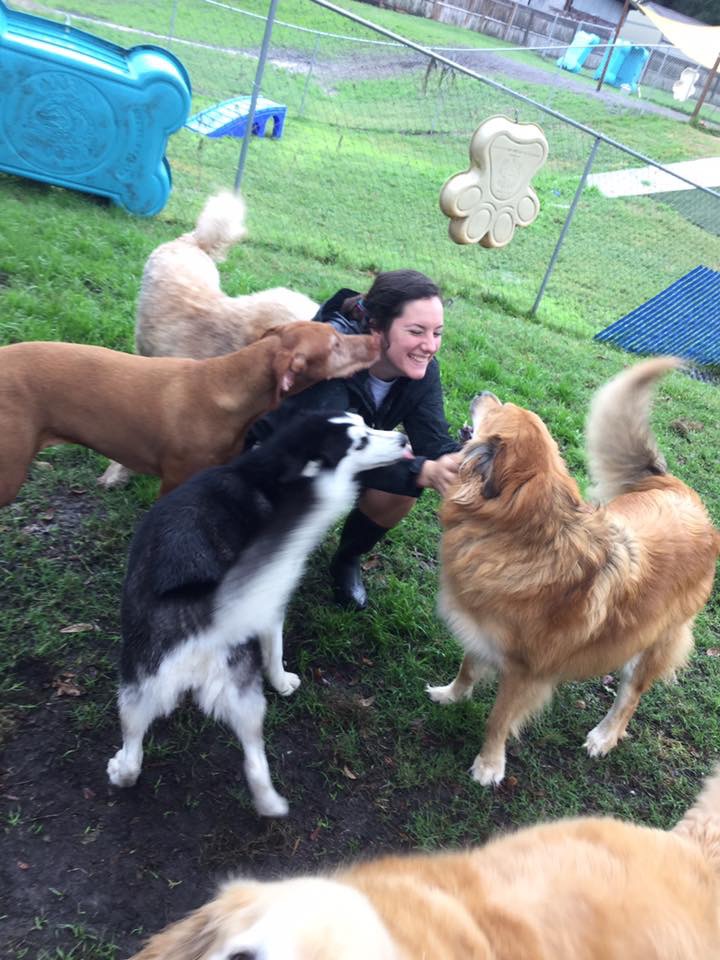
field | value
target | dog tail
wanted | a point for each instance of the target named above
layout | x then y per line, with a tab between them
701	824
621	447
220	224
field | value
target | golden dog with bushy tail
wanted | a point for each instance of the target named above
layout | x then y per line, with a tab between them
585	889
541	587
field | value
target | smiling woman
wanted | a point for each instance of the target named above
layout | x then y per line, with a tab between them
402	387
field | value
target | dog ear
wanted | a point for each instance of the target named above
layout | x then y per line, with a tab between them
188	939
286	366
481	459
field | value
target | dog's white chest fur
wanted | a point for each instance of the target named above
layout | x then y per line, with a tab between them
248	605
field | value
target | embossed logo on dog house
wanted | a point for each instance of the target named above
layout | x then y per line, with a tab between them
489	200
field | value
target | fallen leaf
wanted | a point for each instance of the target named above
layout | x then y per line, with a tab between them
22	865
88	793
713	652
315	833
65	686
368	662
44	465
511	782
47	516
686	427
78	491
580	704
371	564
297	843
78	628
348	773
366	701
608	680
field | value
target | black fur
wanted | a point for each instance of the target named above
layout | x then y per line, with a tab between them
225	517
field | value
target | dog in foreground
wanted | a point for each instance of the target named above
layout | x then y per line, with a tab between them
210	573
541	587
163	416
182	310
585	889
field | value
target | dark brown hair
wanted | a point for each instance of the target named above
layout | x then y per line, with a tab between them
389	293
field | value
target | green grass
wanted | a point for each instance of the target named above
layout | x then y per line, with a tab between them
342	195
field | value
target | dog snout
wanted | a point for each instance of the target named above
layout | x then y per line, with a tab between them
407	450
482	398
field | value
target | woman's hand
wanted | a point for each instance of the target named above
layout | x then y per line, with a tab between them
440	474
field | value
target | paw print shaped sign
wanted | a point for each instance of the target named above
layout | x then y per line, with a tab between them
487	202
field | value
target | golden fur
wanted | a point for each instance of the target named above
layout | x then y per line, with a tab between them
585	889
541	587
165	416
183	312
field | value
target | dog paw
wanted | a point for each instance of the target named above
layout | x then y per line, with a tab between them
286	683
443	694
487	773
120	774
272	805
115	476
599	742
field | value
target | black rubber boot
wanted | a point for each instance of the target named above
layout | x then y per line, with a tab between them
359	535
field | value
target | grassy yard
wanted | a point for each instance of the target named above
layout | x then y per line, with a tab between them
368	763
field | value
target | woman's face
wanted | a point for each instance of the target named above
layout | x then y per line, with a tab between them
413	339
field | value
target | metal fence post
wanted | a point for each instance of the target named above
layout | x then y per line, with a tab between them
566	225
551	38
301	111
173	15
255	91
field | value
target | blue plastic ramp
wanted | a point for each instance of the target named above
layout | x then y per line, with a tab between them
683	320
229	118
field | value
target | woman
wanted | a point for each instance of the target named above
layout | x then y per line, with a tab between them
402	387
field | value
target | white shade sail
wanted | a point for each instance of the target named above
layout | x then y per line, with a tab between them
700	43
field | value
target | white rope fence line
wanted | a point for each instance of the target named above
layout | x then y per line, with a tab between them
234	51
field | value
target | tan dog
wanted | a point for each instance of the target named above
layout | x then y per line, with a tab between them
164	416
586	889
541	587
182	311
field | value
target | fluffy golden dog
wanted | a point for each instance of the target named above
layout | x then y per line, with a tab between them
541	587
586	889
182	311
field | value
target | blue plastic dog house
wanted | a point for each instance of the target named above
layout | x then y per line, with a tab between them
80	112
578	51
229	118
683	319
626	65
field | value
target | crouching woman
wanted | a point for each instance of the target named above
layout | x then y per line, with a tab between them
402	387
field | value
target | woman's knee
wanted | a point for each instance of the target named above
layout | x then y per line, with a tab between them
385	509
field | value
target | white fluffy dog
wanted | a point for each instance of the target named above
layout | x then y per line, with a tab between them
182	311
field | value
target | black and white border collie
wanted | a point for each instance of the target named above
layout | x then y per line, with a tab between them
211	569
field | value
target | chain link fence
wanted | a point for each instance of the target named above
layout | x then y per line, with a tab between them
376	126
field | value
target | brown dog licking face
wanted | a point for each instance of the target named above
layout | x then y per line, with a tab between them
312	351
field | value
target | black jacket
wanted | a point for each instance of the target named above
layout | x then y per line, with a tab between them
416	404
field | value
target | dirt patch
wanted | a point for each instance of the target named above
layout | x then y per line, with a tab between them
85	865
495	66
116	863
